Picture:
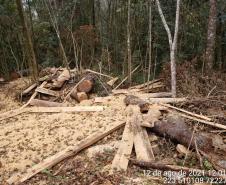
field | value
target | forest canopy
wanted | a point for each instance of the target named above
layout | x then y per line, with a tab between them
94	34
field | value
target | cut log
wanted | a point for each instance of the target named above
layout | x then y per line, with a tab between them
29	89
43	103
142	144
68	152
74	89
187	112
177	130
47	91
120	161
154	114
86	85
134	100
79	96
66	109
64	76
165	167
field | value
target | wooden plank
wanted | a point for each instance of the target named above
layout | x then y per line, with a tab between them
121	159
142	144
19	111
67	109
166	100
68	152
187	112
34	95
47	91
12	113
29	89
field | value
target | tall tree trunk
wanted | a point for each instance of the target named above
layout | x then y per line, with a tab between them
172	43
129	45
29	45
150	42
211	35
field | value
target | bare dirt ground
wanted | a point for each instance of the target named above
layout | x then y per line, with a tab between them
27	139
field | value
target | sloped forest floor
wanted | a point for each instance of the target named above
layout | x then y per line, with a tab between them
27	139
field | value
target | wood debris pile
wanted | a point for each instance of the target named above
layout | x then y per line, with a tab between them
147	114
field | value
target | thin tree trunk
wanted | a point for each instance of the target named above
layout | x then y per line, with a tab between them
172	43
129	45
211	35
150	42
29	45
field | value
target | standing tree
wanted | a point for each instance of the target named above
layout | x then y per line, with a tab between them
150	41
172	43
211	35
28	41
129	44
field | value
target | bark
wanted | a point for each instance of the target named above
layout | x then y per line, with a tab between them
87	84
129	45
134	100
172	43
29	45
177	130
150	42
211	35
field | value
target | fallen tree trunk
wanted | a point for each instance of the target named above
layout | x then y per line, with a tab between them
177	130
87	84
68	152
43	103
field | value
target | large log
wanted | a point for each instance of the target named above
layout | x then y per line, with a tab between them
177	130
87	84
58	157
